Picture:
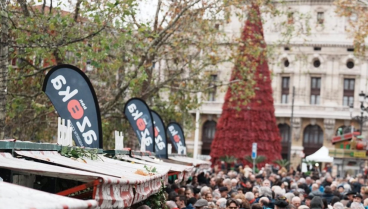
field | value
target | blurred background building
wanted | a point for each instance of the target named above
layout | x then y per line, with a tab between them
318	62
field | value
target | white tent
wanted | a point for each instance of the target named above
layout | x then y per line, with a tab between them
320	156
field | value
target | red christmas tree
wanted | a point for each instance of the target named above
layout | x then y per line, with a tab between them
246	121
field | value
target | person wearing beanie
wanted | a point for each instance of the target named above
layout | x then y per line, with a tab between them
316	203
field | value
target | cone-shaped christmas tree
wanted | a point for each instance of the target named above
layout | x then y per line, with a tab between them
253	120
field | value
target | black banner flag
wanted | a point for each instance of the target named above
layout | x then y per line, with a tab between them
74	99
160	136
176	135
140	118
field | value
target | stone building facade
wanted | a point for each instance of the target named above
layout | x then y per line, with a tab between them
318	61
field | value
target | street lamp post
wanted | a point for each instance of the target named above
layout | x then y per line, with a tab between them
360	118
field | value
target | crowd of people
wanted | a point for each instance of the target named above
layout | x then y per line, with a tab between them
243	189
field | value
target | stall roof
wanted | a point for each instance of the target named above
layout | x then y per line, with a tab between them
14	196
144	185
184	170
106	183
189	160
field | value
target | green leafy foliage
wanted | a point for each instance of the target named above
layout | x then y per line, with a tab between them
80	153
282	162
150	169
259	159
157	200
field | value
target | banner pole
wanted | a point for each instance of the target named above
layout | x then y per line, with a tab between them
254	166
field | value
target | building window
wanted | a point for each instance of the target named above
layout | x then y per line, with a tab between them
320	17
312	139
350	64
284	133
316	63
315	91
208	134
348	97
286	63
212	88
285	90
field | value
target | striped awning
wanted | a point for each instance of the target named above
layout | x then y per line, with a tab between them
15	196
145	185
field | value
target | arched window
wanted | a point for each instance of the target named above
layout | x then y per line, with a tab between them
285	139
208	133
312	139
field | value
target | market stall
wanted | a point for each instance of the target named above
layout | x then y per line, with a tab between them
201	165
130	175
97	184
15	196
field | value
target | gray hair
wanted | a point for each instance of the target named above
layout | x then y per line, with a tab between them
171	204
338	205
222	203
294	186
355	205
265	191
249	196
227	182
204	190
289	196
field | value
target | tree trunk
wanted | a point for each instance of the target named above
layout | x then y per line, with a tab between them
4	53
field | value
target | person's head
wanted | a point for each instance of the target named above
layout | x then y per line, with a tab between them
200	204
328	190
221	203
366	202
281	202
209	197
338	205
256	206
340	188
315	187
266	183
334	200
350	195
358	198
296	201
232	204
223	191
181	201
213	182
265	192
240	191
171	204
189	193
355	205
227	183
308	200
234	182
264	201
316	203
248	184
204	191
249	196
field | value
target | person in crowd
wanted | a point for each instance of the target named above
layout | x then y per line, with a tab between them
181	202
171	204
315	190
224	191
264	202
308	199
350	197
250	197
232	204
256	206
201	204
205	190
189	193
328	194
338	205
358	198
296	201
281	202
316	203
221	203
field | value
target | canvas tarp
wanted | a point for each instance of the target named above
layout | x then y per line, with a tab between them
322	155
123	171
15	196
122	195
184	171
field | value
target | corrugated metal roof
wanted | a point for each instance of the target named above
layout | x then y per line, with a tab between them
14	196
